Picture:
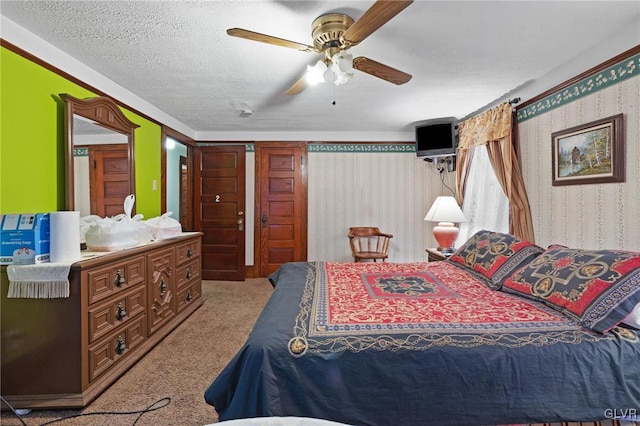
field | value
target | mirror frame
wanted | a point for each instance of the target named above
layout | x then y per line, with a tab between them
105	112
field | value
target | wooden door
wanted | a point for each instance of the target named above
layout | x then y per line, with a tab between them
281	205
109	180
219	206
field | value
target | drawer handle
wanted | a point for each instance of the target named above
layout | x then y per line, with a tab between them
120	312
119	281
163	286
189	253
189	296
188	274
120	345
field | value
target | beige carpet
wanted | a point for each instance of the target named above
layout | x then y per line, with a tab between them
180	367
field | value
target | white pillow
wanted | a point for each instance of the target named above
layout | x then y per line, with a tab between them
633	319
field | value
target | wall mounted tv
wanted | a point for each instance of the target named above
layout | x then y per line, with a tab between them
437	137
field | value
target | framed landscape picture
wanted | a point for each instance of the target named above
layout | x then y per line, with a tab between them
589	153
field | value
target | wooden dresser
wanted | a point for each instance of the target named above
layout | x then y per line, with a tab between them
62	353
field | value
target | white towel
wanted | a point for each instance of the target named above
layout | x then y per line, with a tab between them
39	281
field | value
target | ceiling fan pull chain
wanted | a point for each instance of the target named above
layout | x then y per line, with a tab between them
334	96
334	89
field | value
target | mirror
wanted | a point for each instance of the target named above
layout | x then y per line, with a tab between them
99	159
177	179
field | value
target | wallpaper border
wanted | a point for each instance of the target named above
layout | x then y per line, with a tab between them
408	147
623	70
376	148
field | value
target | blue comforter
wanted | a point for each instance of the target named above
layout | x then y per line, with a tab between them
294	364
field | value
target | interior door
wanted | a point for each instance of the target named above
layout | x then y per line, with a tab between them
108	178
219	206
281	205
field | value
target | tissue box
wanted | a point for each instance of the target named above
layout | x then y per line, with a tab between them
24	239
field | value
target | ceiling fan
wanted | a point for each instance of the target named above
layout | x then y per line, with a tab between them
333	34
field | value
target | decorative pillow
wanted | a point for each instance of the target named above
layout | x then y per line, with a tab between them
552	246
599	287
495	255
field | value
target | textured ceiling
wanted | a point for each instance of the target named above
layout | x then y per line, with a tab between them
177	56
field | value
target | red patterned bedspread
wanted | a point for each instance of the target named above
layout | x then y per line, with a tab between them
358	306
421	295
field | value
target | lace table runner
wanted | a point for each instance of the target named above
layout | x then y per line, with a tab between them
40	281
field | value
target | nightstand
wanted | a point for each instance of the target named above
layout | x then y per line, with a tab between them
434	255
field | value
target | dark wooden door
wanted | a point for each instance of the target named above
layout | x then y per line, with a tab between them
281	205
108	178
219	207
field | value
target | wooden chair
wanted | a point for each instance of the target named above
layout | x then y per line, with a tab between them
368	243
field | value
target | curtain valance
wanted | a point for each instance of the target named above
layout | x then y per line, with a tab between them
492	125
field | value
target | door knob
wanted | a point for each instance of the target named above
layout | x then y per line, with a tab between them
264	220
240	224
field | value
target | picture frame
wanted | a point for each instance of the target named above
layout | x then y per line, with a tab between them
589	153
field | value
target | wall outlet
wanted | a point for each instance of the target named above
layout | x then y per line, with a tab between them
154	185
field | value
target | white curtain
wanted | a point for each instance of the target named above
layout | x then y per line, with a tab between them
485	204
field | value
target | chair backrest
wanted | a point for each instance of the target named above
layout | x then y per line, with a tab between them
368	242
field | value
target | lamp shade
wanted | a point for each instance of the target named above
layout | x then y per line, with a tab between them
445	209
342	67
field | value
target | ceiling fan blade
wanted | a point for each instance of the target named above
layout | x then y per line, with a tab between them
263	38
375	17
297	87
379	70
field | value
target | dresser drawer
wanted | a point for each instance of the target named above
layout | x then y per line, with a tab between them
107	316
161	288
188	295
187	251
105	354
109	280
188	273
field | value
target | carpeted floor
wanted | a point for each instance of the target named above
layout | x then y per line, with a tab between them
180	367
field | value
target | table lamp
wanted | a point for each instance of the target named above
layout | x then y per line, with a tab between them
447	213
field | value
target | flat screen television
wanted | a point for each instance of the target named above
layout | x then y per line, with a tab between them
437	137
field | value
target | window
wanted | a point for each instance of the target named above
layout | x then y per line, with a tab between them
485	205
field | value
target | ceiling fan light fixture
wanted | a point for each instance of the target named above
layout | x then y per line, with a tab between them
315	73
342	67
333	34
342	62
342	78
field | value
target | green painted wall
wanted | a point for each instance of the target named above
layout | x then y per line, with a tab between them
32	175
